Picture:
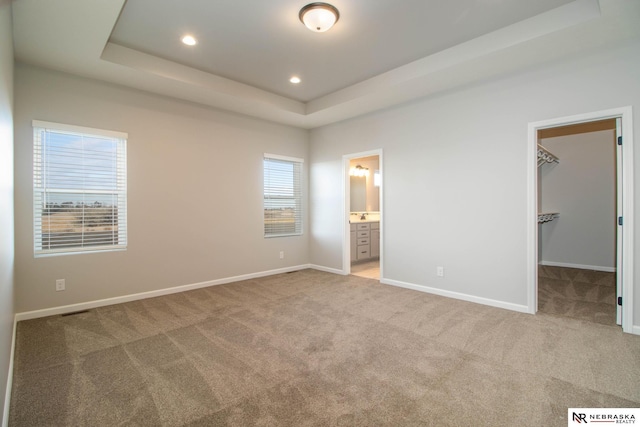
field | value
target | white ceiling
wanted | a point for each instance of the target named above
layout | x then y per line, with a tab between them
380	53
262	43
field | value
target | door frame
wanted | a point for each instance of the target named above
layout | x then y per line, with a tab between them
626	192
346	201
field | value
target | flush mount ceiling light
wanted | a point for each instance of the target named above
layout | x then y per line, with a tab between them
189	40
295	80
319	17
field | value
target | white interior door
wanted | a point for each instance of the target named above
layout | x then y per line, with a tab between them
619	195
625	206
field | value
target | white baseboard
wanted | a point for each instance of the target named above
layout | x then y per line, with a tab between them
7	396
327	269
151	294
457	295
580	266
635	330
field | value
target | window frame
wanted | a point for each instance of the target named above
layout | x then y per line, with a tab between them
297	196
41	190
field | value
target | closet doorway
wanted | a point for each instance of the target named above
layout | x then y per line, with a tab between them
583	202
362	246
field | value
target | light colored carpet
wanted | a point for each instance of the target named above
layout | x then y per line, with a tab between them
315	349
576	293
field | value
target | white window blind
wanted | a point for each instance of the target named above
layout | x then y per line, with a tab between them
79	189
282	196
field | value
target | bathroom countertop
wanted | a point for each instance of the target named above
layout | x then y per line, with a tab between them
358	220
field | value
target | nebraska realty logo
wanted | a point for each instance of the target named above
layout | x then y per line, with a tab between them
580	416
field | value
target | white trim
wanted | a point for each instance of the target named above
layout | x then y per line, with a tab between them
80	251
27	315
7	396
628	236
285	158
635	330
60	127
327	269
580	266
273	236
346	242
626	114
459	296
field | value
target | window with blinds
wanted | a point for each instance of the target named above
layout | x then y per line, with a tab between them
282	196
79	189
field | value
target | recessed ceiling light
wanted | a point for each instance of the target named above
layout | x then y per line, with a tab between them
189	40
295	80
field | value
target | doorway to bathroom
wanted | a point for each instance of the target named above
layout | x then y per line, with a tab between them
362	248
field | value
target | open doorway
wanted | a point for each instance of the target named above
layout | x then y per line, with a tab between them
577	224
595	189
363	208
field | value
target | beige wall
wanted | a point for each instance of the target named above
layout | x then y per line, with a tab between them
582	189
456	170
194	192
6	199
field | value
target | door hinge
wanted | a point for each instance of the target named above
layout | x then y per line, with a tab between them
619	140
619	300
619	220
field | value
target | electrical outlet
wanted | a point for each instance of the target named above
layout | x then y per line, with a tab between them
440	271
60	285
281	254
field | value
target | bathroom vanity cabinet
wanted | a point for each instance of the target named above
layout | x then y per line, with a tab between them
375	240
365	240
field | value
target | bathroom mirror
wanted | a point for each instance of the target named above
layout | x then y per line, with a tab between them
365	194
358	193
